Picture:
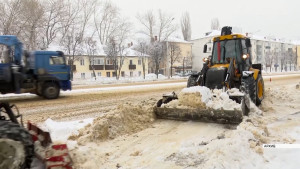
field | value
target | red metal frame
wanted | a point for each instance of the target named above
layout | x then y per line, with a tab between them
62	157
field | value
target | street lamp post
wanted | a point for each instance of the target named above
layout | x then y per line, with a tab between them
183	66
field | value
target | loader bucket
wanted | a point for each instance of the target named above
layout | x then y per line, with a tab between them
205	115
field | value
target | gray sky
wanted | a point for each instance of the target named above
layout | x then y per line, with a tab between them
280	18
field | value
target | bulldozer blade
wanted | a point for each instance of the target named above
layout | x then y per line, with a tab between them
206	115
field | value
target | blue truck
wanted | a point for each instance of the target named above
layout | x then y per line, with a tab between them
44	73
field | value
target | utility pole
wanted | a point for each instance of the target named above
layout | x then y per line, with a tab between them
183	66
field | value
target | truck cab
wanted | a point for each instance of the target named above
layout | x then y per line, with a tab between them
44	73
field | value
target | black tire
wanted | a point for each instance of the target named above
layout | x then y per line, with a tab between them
13	131
245	105
159	103
249	87
51	90
260	90
192	81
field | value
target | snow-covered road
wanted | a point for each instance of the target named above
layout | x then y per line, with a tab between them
177	144
166	143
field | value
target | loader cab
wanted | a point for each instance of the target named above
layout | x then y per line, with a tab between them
229	47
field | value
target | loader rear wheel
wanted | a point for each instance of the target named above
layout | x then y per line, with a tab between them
192	81
260	90
16	146
51	90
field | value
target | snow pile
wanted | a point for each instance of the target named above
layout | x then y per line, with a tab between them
60	131
125	119
153	76
222	100
201	97
231	149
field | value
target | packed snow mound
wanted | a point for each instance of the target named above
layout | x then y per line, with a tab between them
202	97
221	100
152	76
125	119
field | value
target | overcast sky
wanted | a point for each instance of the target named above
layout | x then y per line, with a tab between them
280	18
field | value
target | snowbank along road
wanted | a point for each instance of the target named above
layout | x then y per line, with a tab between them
128	136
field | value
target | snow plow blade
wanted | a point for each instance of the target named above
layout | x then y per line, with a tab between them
204	115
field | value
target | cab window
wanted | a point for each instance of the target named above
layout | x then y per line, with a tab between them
57	60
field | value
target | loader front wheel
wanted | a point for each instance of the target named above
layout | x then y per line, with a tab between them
249	86
16	146
192	81
260	91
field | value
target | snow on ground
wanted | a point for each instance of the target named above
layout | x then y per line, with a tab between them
176	144
113	80
90	90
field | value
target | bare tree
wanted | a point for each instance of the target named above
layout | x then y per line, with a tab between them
32	23
282	60
106	21
91	49
74	35
54	17
111	51
115	49
10	12
156	51
148	20
269	59
174	53
163	25
215	25
143	48
186	26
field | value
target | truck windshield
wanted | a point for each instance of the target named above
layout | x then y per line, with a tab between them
57	60
224	50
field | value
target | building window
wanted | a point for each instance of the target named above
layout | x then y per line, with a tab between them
140	73
92	75
82	75
130	62
108	62
140	62
131	74
114	74
107	74
81	62
99	74
99	61
123	74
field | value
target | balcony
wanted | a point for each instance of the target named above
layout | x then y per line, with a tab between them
131	67
96	67
110	67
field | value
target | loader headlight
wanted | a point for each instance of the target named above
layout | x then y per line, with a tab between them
245	56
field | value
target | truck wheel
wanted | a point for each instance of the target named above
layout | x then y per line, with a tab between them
260	90
16	146
51	90
192	81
